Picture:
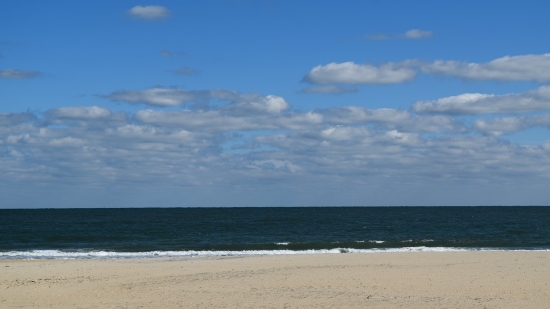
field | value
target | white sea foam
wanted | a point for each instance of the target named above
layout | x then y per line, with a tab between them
282	243
56	254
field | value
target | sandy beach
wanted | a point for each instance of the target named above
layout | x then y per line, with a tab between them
352	280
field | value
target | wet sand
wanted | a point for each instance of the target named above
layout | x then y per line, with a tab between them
351	280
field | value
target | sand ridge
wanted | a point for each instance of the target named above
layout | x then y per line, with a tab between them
502	279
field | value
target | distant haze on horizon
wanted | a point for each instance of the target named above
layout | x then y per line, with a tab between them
274	103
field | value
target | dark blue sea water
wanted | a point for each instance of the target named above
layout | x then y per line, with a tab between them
144	232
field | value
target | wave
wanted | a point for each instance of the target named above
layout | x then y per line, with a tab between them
58	254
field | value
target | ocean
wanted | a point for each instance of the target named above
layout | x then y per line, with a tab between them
190	232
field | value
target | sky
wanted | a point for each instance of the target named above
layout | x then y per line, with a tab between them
219	103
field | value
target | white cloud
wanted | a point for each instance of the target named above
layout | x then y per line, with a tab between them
408	158
355	114
253	111
239	103
223	120
254	141
392	119
332	89
162	97
516	68
417	34
85	116
477	103
166	53
509	68
18	74
149	12
352	73
499	126
80	112
270	104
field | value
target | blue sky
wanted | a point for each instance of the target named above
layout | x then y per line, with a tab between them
274	103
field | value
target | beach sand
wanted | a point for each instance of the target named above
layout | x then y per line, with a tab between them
352	280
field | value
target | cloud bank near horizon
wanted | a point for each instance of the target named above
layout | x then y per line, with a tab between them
221	138
255	139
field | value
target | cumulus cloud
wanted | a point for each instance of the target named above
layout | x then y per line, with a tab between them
238	102
254	141
477	103
140	154
268	115
333	89
162	97
253	111
18	74
221	121
149	12
85	116
509	68
392	119
417	34
398	155
352	73
515	68
270	104
186	71
80	112
499	126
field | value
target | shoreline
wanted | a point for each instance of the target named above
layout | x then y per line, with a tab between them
77	255
466	279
